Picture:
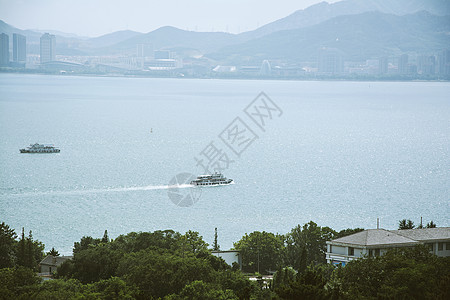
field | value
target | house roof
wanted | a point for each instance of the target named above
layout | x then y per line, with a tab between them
225	251
426	234
382	237
54	260
375	237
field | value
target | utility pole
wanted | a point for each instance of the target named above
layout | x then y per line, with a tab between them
258	252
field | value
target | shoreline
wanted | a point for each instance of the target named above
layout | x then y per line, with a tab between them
230	77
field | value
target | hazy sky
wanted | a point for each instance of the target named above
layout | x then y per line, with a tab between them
97	17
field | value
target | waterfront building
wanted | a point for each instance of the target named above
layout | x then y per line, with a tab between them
374	242
266	69
224	69
144	50
426	65
403	64
19	48
383	65
162	54
444	63
163	64
330	61
229	256
50	264
48	48
4	49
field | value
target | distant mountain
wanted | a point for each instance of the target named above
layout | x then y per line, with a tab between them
171	37
323	11
60	33
111	38
357	37
32	37
299	35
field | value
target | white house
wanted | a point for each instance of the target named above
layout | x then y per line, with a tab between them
374	242
229	256
50	263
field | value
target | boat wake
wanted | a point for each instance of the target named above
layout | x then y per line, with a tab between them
103	190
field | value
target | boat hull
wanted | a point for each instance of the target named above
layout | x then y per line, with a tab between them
228	182
38	152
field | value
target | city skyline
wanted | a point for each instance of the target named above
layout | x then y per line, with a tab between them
103	17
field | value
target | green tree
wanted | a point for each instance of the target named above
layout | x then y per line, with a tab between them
60	289
303	260
307	285
13	281
403	273
310	238
21	250
7	246
216	246
53	252
114	288
30	259
405	224
205	291
158	273
194	242
431	225
261	251
93	264
346	232
237	282
105	238
85	243
283	277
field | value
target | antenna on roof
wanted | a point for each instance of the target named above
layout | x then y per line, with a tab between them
421	226
378	223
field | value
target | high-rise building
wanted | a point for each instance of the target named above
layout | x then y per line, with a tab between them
330	61
403	64
19	48
4	49
162	54
266	69
144	50
426	65
383	65
444	63
48	45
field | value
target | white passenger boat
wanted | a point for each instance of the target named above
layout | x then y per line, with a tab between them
40	148
213	179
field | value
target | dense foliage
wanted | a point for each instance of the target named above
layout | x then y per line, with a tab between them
25	252
173	266
261	251
156	265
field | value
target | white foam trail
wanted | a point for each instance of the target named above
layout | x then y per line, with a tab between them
106	190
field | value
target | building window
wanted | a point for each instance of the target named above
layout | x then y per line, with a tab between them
377	252
370	252
440	246
351	251
447	246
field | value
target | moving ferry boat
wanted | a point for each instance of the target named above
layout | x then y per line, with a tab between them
40	148
213	179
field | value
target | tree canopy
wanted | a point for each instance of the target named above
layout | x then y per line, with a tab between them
170	265
261	251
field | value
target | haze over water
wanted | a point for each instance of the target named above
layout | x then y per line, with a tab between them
342	154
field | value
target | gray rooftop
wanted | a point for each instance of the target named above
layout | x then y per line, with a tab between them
375	237
425	234
54	260
383	237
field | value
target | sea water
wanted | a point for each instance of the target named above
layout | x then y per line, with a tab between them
339	153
